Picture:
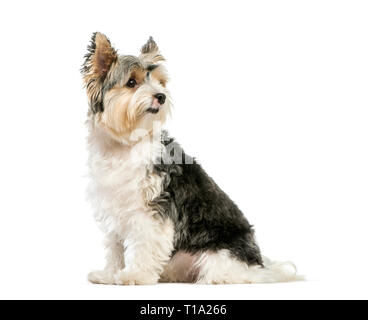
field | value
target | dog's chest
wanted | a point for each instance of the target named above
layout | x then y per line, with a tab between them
122	181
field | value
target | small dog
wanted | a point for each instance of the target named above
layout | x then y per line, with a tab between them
164	218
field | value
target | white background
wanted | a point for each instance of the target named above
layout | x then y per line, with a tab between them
270	96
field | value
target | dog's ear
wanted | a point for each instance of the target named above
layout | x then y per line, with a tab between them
98	61
150	52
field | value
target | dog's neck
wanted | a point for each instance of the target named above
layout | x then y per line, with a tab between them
145	149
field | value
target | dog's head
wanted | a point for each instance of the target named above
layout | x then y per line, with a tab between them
126	93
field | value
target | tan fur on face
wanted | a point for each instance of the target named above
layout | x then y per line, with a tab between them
126	108
119	118
138	75
116	117
160	75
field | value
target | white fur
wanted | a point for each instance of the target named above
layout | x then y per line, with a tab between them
139	244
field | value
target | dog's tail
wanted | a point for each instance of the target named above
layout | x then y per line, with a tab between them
273	271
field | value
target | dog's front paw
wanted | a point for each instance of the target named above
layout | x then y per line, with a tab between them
134	278
101	277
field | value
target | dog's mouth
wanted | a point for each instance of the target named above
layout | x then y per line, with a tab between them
153	110
154	107
157	103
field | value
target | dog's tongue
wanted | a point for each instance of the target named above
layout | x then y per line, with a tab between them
155	103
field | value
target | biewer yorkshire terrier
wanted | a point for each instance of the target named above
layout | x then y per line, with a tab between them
164	218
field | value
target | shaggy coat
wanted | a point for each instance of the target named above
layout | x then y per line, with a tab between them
163	217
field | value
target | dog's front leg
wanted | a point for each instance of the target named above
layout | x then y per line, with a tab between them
114	261
148	248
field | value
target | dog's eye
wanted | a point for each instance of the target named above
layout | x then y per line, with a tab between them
131	83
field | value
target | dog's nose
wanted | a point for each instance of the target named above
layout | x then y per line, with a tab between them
161	98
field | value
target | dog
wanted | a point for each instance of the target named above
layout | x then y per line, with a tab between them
164	218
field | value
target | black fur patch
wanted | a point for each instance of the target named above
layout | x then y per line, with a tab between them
205	218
